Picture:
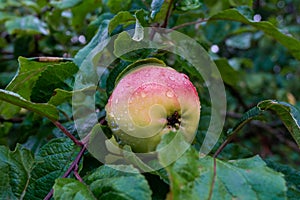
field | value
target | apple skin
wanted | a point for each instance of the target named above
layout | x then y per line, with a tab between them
150	101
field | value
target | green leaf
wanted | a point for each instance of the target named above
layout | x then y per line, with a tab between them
66	188
247	178
46	110
81	11
288	114
55	76
240	41
292	44
28	72
88	55
15	168
229	75
171	147
31	5
292	177
64	4
118	182
193	178
52	161
159	10
138	31
101	35
28	24
23	82
116	6
212	30
113	75
142	17
135	160
5	16
123	18
60	96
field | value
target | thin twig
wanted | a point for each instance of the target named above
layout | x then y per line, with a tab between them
223	145
76	174
166	21
230	137
67	133
75	162
13	120
219	150
189	23
153	31
70	169
233	115
214	180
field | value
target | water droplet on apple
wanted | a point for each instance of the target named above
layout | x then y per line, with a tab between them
130	127
185	77
170	94
143	95
172	78
114	125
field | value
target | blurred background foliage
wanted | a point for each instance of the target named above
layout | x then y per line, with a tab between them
260	67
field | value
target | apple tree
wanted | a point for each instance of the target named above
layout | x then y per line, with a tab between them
149	99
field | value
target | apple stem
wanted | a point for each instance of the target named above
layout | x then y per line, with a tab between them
214	180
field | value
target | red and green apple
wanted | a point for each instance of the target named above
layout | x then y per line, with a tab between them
150	101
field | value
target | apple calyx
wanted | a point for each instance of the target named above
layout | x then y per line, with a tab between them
174	120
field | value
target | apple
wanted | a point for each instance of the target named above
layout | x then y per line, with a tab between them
150	101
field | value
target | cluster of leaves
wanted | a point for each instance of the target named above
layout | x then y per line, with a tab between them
255	46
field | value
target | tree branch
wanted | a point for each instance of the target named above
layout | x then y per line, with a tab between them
13	120
189	23
73	167
166	21
214	180
67	133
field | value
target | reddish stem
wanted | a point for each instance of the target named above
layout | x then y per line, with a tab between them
165	24
73	167
214	179
189	23
76	174
67	133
